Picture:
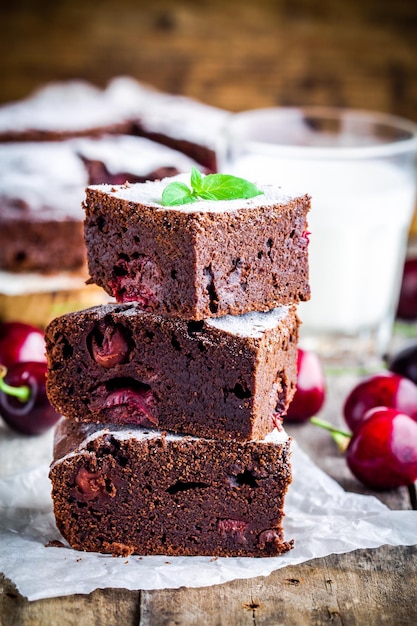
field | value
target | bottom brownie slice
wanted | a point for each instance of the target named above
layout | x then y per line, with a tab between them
124	491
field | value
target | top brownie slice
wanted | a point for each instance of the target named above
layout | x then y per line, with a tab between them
198	260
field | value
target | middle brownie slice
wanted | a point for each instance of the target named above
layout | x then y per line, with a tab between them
228	377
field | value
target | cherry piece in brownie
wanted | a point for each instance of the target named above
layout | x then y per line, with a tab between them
142	491
227	378
201	259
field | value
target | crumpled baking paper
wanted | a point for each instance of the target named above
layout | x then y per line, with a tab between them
321	517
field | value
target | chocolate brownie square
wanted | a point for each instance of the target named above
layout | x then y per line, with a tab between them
230	377
201	259
141	491
41	218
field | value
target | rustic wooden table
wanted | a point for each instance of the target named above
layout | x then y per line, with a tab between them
237	54
364	587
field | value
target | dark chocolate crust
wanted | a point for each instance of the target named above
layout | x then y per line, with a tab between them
117	364
179	496
198	264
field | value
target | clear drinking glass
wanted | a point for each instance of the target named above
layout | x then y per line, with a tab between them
360	170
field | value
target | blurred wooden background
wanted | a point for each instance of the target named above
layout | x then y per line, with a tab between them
235	54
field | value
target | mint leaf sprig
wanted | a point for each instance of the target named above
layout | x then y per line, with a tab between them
210	187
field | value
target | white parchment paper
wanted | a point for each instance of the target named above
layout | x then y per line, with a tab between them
320	516
14	284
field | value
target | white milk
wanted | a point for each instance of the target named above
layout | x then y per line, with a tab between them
361	211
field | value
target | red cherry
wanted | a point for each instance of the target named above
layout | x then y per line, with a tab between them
126	405
382	453
383	389
109	345
407	304
24	405
310	391
21	342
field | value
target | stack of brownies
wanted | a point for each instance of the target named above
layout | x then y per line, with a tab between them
173	395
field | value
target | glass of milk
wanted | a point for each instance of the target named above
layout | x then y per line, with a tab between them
360	170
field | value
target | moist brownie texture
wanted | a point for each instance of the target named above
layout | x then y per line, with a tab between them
146	492
230	377
199	260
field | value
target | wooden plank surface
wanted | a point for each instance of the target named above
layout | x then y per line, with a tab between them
366	587
371	587
237	54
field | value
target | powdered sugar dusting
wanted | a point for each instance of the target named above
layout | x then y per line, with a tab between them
150	194
136	155
31	162
176	116
59	107
46	177
252	324
121	433
78	106
276	436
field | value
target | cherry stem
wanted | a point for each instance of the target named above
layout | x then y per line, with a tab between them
413	496
21	393
326	425
340	437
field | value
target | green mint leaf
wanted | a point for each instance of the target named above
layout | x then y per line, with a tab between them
196	180
227	187
210	187
177	193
